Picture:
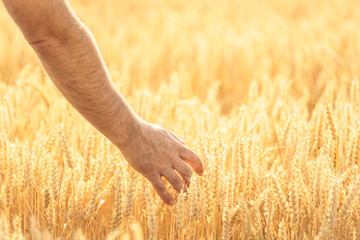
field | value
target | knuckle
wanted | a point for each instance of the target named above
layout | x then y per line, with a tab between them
178	147
164	131
173	157
176	181
159	187
191	156
188	171
184	149
194	157
186	178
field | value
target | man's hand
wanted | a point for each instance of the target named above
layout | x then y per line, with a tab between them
155	152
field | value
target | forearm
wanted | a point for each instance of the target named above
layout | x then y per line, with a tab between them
82	77
70	57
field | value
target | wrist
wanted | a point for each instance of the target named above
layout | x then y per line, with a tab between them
132	132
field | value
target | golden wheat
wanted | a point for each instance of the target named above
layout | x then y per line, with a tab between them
265	92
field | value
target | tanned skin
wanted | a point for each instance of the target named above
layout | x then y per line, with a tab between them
71	58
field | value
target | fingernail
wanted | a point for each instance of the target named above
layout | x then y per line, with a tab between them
171	202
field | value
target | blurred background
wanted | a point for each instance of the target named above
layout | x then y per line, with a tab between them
198	44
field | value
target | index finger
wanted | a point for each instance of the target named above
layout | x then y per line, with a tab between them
190	157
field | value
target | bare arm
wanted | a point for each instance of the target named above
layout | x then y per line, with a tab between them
70	56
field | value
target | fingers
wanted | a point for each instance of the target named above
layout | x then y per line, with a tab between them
174	180
184	170
176	137
160	188
191	158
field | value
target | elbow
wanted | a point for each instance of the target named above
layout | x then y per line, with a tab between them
44	41
36	26
46	45
54	37
52	46
45	24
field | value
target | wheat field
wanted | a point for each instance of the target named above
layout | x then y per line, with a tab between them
265	92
